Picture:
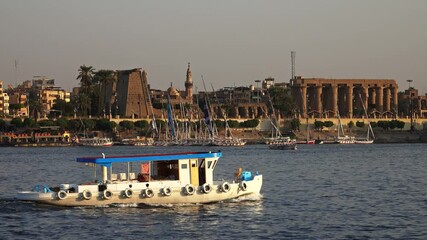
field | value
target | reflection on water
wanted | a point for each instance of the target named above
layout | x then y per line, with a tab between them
316	192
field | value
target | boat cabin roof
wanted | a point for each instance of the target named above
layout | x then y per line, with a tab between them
108	160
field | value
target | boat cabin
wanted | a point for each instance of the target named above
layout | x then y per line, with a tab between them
194	168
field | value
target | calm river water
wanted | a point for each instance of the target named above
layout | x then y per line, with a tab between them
375	191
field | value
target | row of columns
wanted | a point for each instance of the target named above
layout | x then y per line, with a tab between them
340	99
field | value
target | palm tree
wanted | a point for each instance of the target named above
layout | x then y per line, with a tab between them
85	76
35	108
103	78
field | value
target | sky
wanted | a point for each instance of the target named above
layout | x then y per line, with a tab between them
229	42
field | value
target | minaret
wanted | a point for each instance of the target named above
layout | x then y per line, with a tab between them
189	85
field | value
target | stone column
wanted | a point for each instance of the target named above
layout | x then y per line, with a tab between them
379	99
255	111
387	100
395	106
335	99
303	101
350	101
319	99
246	112
373	96
365	99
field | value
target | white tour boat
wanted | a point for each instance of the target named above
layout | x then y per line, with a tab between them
179	178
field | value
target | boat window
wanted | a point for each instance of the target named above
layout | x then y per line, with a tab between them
202	163
184	166
214	164
166	170
209	164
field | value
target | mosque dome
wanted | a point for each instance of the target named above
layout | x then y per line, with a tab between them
173	91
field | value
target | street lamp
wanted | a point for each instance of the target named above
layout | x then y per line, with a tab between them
410	104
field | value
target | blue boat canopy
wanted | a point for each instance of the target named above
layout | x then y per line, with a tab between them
108	160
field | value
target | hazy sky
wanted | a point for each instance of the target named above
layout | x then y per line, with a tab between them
229	42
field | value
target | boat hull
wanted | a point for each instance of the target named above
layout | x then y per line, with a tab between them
177	195
283	146
364	141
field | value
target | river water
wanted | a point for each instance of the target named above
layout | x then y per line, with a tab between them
376	191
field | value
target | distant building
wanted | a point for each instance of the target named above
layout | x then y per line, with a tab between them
131	94
48	96
2	114
322	97
5	99
419	102
19	105
268	83
160	97
42	82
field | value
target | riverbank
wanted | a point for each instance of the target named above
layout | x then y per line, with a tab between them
380	136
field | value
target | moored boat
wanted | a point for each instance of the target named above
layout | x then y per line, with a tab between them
178	178
286	143
306	142
95	142
345	139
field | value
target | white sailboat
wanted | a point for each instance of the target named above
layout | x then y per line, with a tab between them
369	133
343	139
228	140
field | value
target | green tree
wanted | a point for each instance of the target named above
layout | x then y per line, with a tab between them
295	124
65	108
14	108
282	100
46	123
105	125
219	123
141	124
75	125
17	122
29	123
360	124
318	125
400	125
252	123
62	122
127	125
85	77
383	124
392	124
2	125
89	124
102	79
233	123
328	124
350	125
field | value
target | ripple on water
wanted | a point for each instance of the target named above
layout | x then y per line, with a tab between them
316	192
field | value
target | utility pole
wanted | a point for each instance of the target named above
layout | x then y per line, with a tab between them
293	55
